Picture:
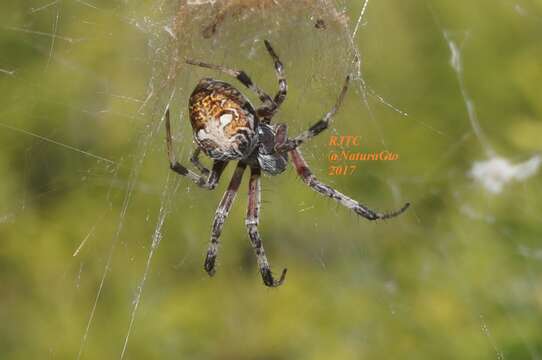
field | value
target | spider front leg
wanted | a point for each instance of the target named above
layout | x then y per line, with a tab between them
206	183
241	76
270	105
252	219
318	127
268	110
220	217
308	178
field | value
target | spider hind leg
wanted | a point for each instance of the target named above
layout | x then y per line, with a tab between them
308	178
252	220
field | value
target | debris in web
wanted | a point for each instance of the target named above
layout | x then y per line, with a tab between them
496	171
7	72
456	62
493	174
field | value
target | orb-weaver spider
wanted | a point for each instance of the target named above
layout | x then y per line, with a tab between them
227	127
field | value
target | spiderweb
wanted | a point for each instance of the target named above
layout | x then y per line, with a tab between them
102	246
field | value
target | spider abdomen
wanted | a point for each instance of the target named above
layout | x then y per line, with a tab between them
223	120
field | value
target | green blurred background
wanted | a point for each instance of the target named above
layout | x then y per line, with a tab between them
95	251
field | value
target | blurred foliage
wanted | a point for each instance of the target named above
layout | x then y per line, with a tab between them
456	277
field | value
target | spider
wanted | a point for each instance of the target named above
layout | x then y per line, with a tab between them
227	127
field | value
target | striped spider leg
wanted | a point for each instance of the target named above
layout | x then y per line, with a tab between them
252	220
220	217
317	128
308	178
266	111
210	183
291	145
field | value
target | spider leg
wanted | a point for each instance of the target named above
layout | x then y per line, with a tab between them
194	159
309	179
242	77
220	216
207	183
252	219
269	109
318	127
279	70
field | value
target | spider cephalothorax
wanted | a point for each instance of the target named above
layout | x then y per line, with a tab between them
227	127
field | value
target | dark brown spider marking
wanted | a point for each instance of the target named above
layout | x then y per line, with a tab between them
320	24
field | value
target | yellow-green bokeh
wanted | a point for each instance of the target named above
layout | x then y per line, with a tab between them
458	276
